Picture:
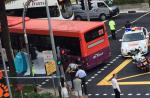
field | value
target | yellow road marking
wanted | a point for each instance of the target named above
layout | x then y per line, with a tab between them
134	83
131	83
106	80
133	76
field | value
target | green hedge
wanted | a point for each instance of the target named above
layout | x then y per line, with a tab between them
129	1
32	95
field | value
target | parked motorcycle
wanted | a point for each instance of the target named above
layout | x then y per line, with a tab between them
141	62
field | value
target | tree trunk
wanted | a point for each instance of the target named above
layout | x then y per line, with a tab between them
5	36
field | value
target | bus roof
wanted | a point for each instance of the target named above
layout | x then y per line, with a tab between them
60	27
12	21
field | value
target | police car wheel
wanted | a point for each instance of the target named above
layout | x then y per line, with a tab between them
102	17
78	18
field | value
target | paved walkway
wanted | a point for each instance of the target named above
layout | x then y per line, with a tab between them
52	91
140	7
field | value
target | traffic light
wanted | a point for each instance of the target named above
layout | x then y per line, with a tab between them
59	63
89	4
82	4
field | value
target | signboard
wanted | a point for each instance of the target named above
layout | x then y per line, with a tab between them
47	55
50	67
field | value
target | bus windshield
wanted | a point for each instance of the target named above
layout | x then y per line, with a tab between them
66	9
94	34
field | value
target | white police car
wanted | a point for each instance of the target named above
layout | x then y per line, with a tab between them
134	38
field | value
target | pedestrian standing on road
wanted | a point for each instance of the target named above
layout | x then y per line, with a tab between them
71	71
82	75
115	86
77	87
64	91
112	26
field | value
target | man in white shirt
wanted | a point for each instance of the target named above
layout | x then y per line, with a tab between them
82	75
115	86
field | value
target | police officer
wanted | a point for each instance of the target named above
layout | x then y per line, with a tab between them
128	24
112	26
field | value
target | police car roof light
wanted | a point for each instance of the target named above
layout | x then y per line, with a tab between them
127	29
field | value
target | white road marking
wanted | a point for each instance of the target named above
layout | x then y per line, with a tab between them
111	62
39	85
113	94
43	82
102	69
138	94
108	64
130	94
117	57
95	74
90	80
99	72
105	94
114	60
47	80
147	94
121	94
92	77
105	67
140	17
97	94
89	94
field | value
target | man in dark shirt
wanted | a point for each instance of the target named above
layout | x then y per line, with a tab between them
128	24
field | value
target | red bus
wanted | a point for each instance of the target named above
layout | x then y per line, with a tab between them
82	40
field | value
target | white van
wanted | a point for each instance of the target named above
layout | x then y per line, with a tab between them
100	9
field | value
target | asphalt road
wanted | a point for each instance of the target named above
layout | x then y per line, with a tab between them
133	80
128	75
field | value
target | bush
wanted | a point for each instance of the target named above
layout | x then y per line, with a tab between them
129	1
33	95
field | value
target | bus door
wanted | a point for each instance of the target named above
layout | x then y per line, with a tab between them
70	48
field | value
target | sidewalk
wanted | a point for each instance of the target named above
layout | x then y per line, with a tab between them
43	90
140	7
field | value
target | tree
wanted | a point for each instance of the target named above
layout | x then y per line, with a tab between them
5	36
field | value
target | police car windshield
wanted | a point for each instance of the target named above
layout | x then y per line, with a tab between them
133	37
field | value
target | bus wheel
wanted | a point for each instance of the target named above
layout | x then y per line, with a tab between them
102	17
78	18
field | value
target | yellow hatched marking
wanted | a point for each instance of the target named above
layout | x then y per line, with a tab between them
133	76
106	80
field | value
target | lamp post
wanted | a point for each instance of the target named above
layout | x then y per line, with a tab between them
53	44
5	70
87	9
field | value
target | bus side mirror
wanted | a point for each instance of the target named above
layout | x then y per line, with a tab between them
120	40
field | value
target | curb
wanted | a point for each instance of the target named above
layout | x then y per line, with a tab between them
133	11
